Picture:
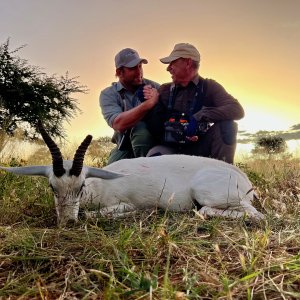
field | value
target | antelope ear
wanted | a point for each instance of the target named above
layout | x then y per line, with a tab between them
30	170
104	174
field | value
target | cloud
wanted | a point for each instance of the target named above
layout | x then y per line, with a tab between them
290	135
295	127
293	133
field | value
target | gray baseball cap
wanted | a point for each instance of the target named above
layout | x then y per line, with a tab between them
128	58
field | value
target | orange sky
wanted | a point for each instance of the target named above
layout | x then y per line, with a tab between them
251	47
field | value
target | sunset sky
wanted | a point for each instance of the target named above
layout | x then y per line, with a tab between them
251	47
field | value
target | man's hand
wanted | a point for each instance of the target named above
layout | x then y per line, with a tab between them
151	95
191	129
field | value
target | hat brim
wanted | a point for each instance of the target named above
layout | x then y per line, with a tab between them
168	59
135	62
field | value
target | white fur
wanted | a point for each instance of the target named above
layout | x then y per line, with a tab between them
169	182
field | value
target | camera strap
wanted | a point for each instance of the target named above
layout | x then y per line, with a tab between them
124	140
173	92
124	143
198	99
124	104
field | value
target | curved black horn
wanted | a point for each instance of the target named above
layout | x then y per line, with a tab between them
79	156
57	159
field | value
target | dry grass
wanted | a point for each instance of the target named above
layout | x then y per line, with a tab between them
153	254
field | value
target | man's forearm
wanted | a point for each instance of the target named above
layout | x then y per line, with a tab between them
130	118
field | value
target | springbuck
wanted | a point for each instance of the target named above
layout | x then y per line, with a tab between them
169	182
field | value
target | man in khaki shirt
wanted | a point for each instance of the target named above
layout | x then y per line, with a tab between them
124	106
194	116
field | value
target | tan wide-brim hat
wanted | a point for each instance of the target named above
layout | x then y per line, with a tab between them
182	50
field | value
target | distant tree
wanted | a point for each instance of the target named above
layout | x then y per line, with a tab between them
269	145
99	151
27	95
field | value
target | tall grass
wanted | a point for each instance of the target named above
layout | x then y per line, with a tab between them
153	254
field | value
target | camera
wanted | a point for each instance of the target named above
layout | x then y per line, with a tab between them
203	127
175	130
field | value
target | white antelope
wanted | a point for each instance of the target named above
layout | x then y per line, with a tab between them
170	182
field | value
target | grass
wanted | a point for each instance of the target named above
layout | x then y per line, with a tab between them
153	254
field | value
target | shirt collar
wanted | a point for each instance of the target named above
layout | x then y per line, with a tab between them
120	86
195	81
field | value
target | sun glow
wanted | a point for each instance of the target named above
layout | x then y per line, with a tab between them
260	119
